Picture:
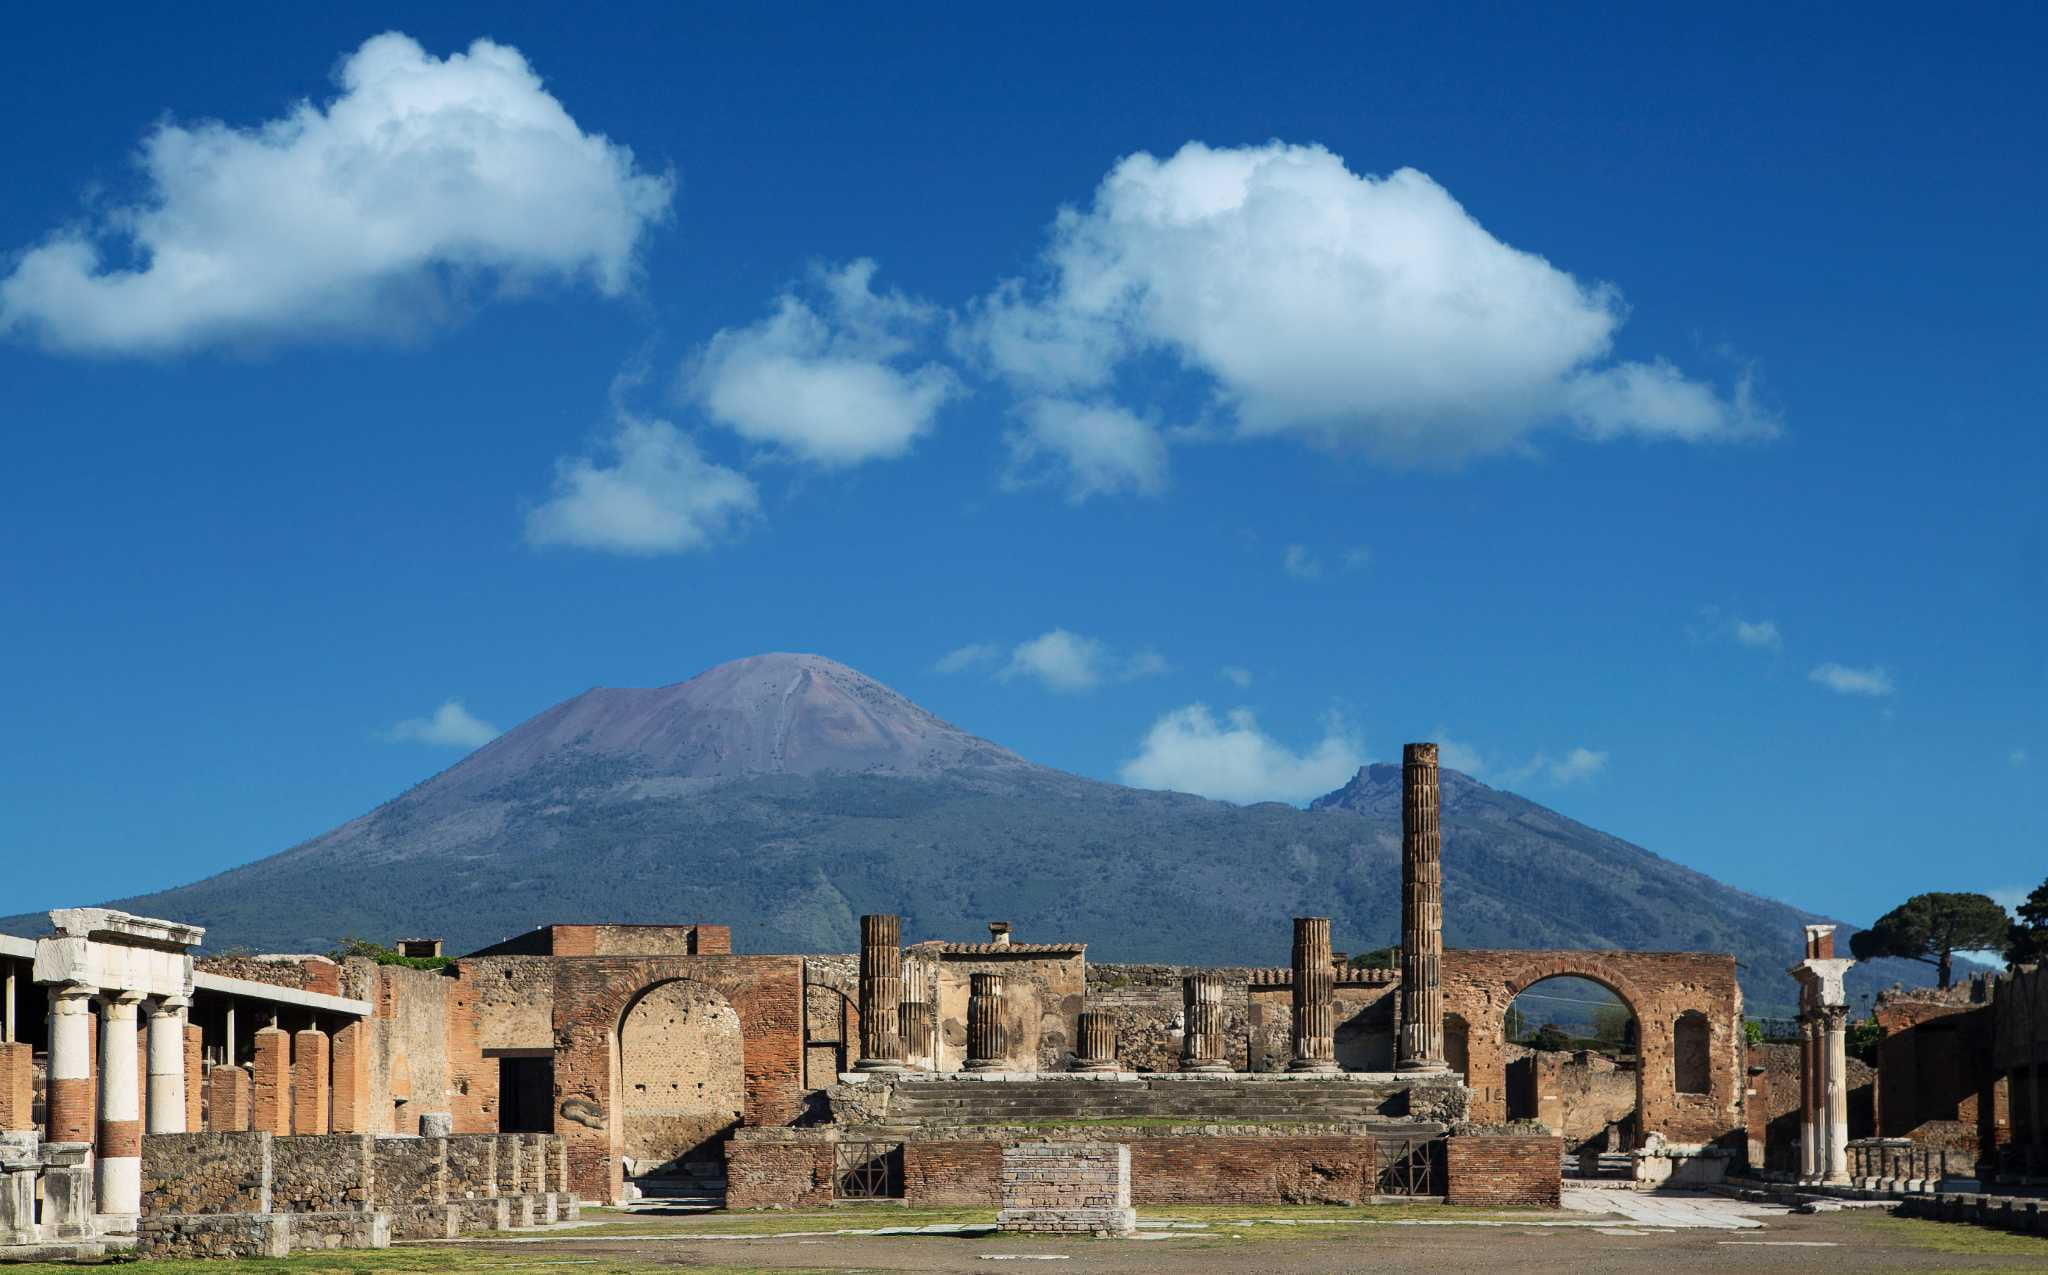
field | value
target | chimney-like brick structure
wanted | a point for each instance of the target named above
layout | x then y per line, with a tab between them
195	1078
1201	1042
270	1104
227	1100
1422	913
1315	987
999	933
1097	1030
309	1082
350	1112
881	992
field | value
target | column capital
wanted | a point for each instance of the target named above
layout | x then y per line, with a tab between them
72	997
122	998
168	1005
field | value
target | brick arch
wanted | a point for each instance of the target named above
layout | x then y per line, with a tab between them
1479	985
593	996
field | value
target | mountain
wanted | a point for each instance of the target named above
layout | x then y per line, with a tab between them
788	794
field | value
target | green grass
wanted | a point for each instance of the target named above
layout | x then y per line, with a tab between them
859	1217
396	1261
1957	1238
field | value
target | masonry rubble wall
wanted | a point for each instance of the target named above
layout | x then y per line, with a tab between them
206	1173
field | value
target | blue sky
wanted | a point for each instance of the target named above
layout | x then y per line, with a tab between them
1643	403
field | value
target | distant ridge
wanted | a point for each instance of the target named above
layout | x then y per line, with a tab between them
787	794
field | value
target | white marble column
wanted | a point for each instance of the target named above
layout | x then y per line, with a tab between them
120	1142
1809	1085
1835	1043
167	1065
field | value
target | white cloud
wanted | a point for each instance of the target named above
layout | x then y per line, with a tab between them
833	388
1298	562
1357	558
1189	750
371	215
1345	309
1068	662
660	495
1098	449
451	726
962	658
1238	677
1844	680
1758	633
1575	765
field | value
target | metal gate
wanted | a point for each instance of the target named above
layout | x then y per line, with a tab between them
1408	1167
867	1171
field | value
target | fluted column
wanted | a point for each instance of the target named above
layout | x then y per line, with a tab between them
914	1013
69	1104
1809	1081
1201	1044
120	1142
1097	1030
881	992
1315	985
1834	1040
987	1043
167	1065
1422	914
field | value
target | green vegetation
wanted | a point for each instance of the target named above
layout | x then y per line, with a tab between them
388	956
1752	1031
2029	942
391	1261
1946	1237
1932	928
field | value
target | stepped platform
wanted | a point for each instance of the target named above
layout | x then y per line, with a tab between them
956	1100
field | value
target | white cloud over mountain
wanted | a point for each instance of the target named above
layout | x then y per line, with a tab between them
1059	660
450	726
1344	309
1232	759
831	384
423	183
658	494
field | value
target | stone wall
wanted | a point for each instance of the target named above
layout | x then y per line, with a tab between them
681	1064
1042	999
473	1167
1503	1169
515	1000
326	1174
301	973
1146	1000
1067	1187
206	1173
410	1172
217	1236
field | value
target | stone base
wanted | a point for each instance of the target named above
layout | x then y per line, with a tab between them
426	1222
215	1235
315	1231
1069	1221
492	1213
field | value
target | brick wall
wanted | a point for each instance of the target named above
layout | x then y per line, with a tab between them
195	1079
227	1100
1936	1080
17	1086
310	1077
270	1106
348	1054
782	1174
953	1174
1503	1169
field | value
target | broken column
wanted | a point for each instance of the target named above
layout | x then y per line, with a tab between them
1315	986
227	1100
195	1078
310	1078
349	1054
987	1045
1824	1087
881	992
1098	1042
1201	1042
71	1117
270	1106
914	1012
1422	914
167	1065
118	1176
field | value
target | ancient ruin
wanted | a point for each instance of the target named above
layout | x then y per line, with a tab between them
154	1097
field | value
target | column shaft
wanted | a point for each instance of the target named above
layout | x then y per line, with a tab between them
914	1013
1314	1045
881	991
70	1116
1201	1044
167	1066
987	1042
1422	913
1809	1084
119	1176
1835	1041
1097	1030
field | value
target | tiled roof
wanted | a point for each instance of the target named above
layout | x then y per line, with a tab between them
998	949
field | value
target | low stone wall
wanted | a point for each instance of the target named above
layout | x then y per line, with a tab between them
1067	1187
2005	1212
324	1173
473	1167
1499	1169
214	1235
206	1173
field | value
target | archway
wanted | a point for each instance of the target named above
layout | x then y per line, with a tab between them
681	1080
1572	1061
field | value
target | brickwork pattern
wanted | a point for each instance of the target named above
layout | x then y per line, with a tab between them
195	1079
227	1100
270	1104
310	1078
1503	1169
350	1067
1067	1187
786	1174
17	1086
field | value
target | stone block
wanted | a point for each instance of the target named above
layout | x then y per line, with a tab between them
1067	1188
436	1124
67	1191
484	1214
472	1167
315	1231
18	1205
218	1236
426	1222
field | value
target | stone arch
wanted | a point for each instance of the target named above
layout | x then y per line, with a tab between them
1458	1045
680	1079
1484	1007
831	1027
592	998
